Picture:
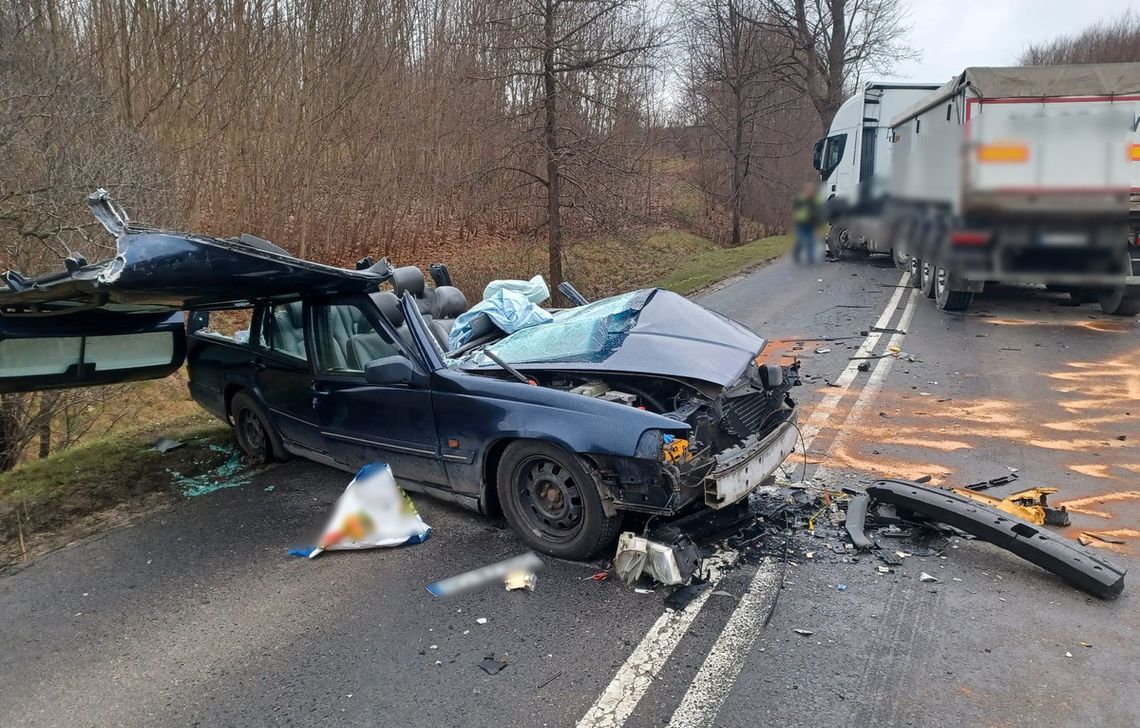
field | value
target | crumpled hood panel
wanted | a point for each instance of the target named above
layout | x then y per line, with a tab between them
651	331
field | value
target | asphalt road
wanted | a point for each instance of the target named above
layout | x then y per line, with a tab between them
197	615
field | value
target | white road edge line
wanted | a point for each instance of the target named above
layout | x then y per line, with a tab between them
630	683
718	673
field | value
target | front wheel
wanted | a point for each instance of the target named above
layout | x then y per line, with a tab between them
838	238
552	501
946	294
901	259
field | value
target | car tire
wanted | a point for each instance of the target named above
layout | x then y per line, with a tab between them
946	296
552	501
254	431
926	278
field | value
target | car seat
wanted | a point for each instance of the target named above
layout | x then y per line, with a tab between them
446	305
410	279
288	334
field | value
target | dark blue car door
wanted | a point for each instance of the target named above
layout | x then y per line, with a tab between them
362	422
283	374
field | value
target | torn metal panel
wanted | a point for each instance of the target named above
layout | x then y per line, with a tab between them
1083	570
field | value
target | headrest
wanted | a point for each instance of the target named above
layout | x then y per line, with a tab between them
448	302
389	305
409	279
293	314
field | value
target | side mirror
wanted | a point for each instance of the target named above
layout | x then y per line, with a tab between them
817	155
389	370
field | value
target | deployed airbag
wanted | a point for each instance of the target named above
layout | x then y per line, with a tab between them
535	290
508	310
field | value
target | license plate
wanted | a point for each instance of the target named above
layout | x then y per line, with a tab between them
728	486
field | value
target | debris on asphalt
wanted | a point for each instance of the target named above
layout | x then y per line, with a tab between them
548	680
481	620
372	512
493	665
521	579
484	575
804	632
863	366
1030	505
682	596
165	444
927	577
232	473
670	557
856	517
1084	570
823	350
993	482
1101	536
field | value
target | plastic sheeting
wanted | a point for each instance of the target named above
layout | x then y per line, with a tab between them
508	310
535	290
372	512
588	333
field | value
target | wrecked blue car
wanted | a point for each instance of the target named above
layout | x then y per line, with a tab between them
642	403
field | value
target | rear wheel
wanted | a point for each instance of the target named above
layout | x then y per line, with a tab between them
926	278
1121	301
552	501
914	273
901	259
947	295
253	430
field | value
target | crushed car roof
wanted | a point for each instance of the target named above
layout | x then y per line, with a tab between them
165	270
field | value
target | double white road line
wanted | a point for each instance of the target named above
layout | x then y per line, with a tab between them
717	675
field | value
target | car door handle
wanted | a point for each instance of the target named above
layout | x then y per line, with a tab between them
258	365
318	389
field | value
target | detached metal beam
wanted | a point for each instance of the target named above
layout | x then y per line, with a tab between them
1080	568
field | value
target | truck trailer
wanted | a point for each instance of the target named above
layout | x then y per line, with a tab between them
1020	175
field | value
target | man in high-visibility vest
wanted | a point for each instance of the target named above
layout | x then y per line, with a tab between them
805	216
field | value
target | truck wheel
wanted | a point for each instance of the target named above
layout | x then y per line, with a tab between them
914	273
946	296
837	241
254	431
901	259
553	502
926	278
1121	301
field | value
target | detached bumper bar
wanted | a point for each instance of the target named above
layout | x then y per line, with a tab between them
1080	568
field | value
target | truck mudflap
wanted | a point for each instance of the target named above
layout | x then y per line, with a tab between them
1084	570
743	469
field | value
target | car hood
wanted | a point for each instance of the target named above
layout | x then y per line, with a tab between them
651	331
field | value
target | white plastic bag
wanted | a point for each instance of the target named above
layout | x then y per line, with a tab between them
535	290
373	511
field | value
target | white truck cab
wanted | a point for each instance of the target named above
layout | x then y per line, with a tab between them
857	146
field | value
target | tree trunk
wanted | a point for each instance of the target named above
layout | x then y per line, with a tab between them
9	431
550	137
46	402
737	166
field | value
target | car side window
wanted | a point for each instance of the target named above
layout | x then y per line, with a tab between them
283	330
346	340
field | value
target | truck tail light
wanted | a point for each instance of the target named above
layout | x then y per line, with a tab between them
1134	152
1003	153
969	237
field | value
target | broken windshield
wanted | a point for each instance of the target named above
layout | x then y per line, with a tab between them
588	334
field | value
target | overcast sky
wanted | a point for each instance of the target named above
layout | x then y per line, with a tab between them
953	34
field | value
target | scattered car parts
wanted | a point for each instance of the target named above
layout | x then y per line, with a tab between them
1030	505
1083	570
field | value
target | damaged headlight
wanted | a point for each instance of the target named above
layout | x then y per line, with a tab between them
649	446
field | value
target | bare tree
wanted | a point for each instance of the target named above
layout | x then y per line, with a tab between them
834	42
1109	41
570	72
734	92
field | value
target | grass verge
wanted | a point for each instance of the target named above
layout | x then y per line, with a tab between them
47	503
717	264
